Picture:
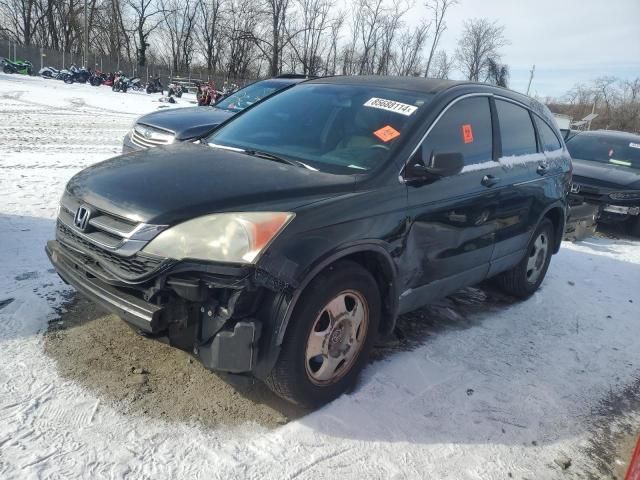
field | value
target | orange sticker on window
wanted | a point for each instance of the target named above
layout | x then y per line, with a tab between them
387	133
467	133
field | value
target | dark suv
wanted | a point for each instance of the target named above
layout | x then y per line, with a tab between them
607	173
189	124
303	227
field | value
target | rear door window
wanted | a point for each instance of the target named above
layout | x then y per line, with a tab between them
464	128
516	129
548	139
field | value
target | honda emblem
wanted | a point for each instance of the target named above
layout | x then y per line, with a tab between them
81	219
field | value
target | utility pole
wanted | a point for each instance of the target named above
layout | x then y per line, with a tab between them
532	71
86	37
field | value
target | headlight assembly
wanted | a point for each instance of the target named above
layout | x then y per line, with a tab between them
221	237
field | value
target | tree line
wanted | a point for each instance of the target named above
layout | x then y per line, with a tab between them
616	101
253	38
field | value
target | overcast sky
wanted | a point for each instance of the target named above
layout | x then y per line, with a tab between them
569	41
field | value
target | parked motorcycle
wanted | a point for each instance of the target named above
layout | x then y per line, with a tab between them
120	83
175	90
109	78
23	67
97	78
136	84
62	74
48	72
207	93
80	75
154	86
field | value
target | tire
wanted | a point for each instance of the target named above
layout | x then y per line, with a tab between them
68	79
124	89
298	376
7	69
523	280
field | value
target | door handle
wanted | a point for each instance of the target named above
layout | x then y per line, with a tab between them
489	180
542	169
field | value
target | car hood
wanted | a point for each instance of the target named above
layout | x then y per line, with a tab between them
187	123
167	185
605	175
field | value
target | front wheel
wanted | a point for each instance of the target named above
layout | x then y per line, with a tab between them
7	69
329	337
525	278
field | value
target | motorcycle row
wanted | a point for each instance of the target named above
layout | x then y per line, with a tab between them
119	82
206	92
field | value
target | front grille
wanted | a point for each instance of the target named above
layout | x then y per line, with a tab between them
135	266
146	137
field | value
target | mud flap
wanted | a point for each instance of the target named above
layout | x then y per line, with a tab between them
233	351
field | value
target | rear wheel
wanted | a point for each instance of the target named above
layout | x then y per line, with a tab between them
525	278
329	338
7	69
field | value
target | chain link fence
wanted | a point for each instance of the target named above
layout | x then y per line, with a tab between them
42	57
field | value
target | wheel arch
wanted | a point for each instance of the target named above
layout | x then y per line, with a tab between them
557	214
373	256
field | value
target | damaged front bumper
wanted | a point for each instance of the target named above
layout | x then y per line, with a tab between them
212	316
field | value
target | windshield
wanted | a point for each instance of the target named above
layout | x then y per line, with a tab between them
605	149
335	128
249	95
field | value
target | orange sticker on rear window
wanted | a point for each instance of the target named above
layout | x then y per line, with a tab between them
467	133
387	133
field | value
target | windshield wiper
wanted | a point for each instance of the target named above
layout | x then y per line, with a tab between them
275	158
265	155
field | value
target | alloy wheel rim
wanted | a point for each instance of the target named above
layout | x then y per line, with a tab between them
336	338
537	258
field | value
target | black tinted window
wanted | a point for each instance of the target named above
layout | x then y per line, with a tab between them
549	140
464	128
620	151
516	129
331	127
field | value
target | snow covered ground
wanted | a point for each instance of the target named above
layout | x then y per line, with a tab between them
507	394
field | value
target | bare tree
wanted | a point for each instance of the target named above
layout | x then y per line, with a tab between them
439	10
481	40
332	57
617	103
24	17
497	74
308	45
146	17
410	47
442	65
179	22
211	14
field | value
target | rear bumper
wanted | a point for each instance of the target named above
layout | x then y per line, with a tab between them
229	346
582	220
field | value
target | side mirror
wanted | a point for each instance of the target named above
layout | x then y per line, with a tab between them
446	164
441	165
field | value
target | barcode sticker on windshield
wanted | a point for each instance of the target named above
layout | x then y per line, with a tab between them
634	145
391	106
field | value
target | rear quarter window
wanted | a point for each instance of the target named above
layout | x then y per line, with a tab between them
548	138
516	129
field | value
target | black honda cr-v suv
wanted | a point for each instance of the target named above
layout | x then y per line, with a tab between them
297	232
